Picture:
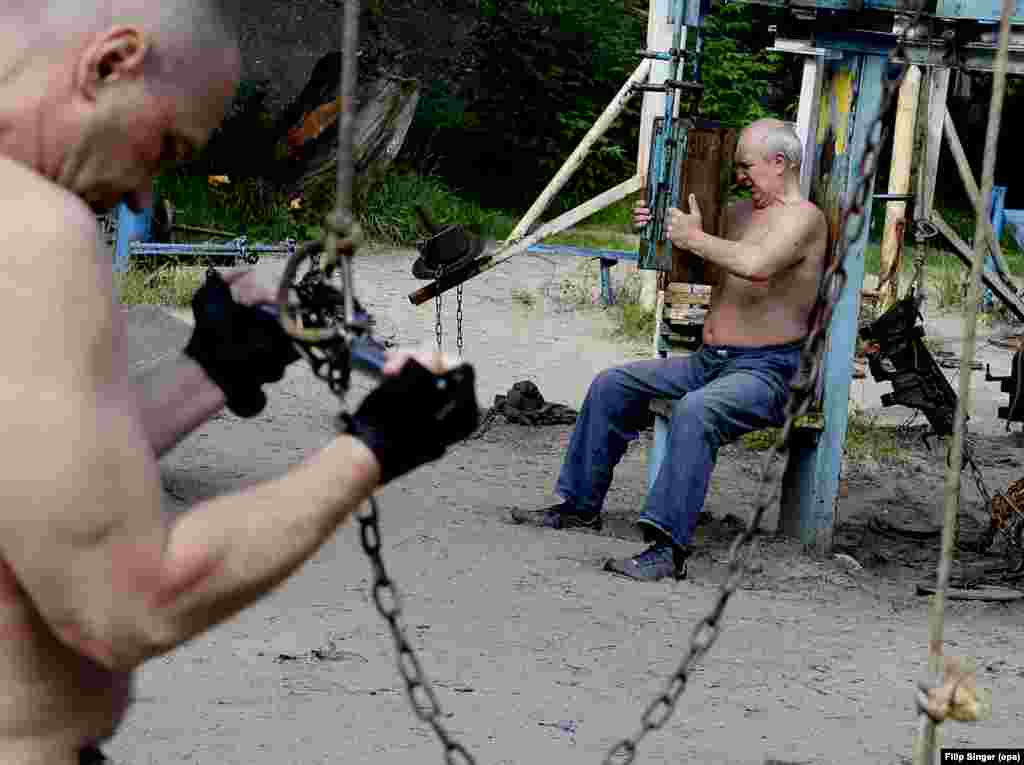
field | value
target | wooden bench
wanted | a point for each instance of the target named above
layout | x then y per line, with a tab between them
678	329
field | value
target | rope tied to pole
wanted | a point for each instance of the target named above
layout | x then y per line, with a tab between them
950	694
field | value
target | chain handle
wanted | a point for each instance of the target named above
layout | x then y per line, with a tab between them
388	603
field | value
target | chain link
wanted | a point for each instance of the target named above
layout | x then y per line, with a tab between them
438	332
458	320
388	603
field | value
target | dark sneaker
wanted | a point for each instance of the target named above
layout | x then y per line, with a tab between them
562	516
659	561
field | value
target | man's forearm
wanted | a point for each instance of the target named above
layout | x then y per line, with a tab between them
738	258
175	397
228	552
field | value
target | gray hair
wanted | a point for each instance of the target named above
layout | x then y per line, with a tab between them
778	137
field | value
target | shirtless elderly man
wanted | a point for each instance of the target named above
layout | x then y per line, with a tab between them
95	97
769	262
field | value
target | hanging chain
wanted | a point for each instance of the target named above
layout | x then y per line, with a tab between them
802	392
387	600
458	320
437	320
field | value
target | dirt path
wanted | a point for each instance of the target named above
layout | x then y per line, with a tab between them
538	655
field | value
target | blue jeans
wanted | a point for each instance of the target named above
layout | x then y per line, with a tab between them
722	391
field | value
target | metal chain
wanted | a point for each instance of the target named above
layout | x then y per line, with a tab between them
458	320
437	320
802	391
388	603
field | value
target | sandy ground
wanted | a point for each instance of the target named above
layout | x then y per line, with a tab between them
536	654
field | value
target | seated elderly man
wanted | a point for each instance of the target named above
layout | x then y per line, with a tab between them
770	262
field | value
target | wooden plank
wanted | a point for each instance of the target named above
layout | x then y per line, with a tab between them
938	88
974	194
510	249
686	314
807	111
608	116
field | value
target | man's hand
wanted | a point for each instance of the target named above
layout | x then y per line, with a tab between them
423	405
641	214
682	229
241	347
247	288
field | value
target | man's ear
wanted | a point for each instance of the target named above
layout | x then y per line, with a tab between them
116	54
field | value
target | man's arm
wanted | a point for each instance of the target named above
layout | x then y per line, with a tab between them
175	397
773	251
82	526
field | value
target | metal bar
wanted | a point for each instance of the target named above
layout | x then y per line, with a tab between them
511	249
156	248
928	735
583	252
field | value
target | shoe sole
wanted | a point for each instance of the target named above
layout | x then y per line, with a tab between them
525	519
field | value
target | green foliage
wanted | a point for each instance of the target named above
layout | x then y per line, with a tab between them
249	206
389	213
551	68
737	74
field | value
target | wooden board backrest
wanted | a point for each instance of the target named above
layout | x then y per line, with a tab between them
707	173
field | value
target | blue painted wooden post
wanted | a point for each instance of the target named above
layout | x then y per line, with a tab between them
998	218
131	227
850	99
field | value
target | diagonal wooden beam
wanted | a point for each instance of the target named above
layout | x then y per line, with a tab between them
962	250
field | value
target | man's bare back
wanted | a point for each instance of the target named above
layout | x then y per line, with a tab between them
55	699
748	313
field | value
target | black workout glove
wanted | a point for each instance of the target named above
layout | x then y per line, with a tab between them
412	417
240	347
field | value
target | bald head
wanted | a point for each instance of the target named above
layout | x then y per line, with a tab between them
183	35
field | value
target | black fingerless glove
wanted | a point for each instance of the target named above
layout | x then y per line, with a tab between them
240	347
412	417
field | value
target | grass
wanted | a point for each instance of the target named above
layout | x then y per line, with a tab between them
866	440
244	206
170	285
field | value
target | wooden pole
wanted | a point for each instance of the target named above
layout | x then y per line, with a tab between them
807	116
512	248
967	176
660	25
580	152
899	183
927	742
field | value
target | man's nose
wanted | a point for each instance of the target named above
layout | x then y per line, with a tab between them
138	201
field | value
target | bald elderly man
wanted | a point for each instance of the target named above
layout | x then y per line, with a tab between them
769	264
96	96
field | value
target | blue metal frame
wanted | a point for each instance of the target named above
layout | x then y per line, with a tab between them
608	259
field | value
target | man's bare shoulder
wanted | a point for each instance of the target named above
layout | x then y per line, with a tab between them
51	269
36	208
